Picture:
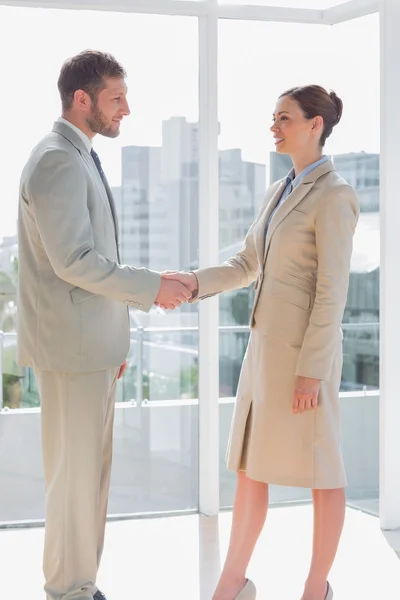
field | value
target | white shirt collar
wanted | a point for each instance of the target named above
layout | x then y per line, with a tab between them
83	136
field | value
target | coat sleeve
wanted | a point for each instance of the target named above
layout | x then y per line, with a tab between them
335	223
237	272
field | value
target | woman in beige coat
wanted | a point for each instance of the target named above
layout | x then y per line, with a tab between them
286	428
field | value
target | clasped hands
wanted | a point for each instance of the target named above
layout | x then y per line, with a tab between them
176	288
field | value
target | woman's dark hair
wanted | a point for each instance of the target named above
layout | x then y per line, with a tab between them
87	71
316	101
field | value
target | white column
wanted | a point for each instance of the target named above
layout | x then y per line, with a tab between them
208	234
390	267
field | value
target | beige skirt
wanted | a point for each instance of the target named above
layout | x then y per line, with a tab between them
267	440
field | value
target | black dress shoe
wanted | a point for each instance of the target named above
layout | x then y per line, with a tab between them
99	596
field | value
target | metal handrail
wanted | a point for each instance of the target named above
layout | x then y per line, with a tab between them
137	335
229	328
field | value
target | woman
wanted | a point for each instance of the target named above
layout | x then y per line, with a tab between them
285	428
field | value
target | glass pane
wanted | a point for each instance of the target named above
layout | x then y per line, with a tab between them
316	4
153	170
249	84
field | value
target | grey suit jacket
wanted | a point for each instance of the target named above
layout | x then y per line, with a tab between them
73	293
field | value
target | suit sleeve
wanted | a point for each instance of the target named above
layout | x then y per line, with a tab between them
335	224
58	195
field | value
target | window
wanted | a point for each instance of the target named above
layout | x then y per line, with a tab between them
157	440
153	167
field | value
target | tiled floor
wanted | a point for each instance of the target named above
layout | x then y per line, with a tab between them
179	559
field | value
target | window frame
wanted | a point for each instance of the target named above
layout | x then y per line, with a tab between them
208	13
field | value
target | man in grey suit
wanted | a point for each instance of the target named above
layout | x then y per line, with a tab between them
73	320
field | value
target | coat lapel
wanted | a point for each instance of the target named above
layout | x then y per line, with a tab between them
260	232
284	209
298	194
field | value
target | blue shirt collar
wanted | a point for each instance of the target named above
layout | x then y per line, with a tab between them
295	181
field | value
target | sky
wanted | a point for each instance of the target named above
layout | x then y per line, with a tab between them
257	61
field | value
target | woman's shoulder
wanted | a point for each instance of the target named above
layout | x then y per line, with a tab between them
335	182
336	191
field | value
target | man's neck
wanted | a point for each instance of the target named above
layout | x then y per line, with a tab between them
82	126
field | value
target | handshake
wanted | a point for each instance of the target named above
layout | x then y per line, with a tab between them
176	288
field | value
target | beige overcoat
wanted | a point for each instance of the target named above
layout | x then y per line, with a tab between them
301	272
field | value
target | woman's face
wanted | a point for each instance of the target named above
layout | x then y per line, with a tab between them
293	133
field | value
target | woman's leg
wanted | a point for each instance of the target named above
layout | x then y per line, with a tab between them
329	512
249	513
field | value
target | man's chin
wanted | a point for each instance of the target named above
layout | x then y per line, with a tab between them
110	132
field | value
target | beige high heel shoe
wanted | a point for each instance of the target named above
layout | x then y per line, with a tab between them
329	592
249	592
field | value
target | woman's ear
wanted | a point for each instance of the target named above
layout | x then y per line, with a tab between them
318	123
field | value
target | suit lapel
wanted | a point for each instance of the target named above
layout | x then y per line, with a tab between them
113	208
298	194
290	203
107	196
69	134
260	232
96	175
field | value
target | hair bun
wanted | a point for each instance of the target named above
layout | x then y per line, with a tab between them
338	105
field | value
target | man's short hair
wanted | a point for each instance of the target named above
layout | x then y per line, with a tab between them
87	71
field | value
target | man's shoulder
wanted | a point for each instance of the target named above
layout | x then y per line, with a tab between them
53	142
52	147
50	153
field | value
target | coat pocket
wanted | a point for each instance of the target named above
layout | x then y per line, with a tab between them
291	293
283	311
80	295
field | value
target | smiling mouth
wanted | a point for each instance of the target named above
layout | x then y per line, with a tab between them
278	141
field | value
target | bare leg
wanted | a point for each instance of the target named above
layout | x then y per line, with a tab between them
249	513
329	513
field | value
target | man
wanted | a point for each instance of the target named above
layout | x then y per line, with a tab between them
73	324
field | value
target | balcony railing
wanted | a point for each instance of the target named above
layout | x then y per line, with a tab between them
357	336
156	434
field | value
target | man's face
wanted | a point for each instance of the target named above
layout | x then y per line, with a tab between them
109	108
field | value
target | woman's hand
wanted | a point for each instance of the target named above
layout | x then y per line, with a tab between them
306	392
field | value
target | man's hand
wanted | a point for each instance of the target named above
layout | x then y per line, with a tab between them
122	370
305	394
172	293
189	280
